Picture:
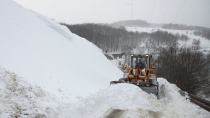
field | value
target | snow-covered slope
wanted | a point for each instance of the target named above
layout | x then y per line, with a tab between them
204	43
47	55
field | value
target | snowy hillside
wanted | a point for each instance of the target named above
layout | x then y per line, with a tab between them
45	54
204	43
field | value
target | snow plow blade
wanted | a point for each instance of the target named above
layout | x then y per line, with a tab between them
150	89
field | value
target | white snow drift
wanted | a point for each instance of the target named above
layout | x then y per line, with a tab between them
18	98
48	55
22	100
135	103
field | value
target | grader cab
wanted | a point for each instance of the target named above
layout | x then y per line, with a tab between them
141	72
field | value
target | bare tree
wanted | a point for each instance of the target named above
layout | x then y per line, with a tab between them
185	67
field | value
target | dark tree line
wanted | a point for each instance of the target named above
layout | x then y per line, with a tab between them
118	39
107	38
186	67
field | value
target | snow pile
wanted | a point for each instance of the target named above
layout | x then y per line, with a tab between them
45	54
177	106
121	96
115	97
135	103
20	99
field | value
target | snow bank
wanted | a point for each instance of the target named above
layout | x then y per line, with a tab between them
22	100
19	98
177	106
120	96
135	103
45	54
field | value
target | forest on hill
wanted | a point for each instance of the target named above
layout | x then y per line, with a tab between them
119	39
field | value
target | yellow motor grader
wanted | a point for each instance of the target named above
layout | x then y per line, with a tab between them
140	72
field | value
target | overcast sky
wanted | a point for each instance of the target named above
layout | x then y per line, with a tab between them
191	12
